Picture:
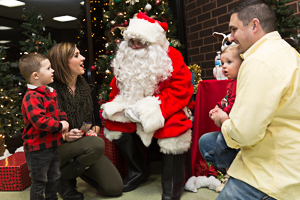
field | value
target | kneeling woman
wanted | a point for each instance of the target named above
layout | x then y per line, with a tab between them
81	155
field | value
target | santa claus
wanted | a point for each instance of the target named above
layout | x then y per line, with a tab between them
150	92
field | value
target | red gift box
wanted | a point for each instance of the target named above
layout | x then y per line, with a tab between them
14	173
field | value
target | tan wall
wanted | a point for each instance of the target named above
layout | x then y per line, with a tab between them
203	17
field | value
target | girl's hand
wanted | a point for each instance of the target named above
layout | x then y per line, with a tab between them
213	111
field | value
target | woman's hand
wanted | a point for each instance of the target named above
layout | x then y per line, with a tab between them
93	131
74	134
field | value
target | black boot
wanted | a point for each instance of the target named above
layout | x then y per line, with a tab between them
67	190
67	184
130	147
173	174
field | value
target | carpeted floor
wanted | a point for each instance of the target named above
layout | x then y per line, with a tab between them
149	190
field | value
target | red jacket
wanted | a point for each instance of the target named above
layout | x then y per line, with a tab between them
230	97
41	115
174	94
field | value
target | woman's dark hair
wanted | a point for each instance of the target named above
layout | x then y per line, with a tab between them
59	56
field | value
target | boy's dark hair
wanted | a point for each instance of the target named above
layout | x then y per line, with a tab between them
30	63
250	9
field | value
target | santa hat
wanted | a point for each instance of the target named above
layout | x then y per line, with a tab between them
149	29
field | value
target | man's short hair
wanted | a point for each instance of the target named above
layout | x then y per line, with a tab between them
250	9
30	63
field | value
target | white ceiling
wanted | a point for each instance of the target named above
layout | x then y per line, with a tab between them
12	17
49	8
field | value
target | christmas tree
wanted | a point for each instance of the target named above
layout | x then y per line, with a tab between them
97	26
34	30
11	119
115	20
287	23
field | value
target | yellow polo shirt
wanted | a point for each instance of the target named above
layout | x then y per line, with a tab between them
265	119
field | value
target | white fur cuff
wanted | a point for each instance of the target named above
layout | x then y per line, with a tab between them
145	137
112	135
149	113
114	110
176	145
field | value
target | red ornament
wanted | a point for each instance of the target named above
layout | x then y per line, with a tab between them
164	19
120	14
93	68
158	2
107	52
117	41
126	23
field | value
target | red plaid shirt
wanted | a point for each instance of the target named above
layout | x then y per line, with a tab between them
42	118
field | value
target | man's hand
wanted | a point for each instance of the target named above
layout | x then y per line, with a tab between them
219	117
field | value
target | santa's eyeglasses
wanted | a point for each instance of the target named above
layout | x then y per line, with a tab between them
137	44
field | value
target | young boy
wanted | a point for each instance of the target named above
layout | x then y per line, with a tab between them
44	124
231	62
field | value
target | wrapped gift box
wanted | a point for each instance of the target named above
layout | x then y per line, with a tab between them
14	173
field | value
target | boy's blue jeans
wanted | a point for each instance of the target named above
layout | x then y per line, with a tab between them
215	151
44	172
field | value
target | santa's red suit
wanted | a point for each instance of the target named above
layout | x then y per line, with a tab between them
167	116
150	93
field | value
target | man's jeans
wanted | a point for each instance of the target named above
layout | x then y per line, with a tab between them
44	172
239	190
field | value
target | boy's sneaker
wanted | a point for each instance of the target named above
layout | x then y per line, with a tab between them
223	182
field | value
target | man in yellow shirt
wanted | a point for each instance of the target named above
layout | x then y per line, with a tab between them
265	119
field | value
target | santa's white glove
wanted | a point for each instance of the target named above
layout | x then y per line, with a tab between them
131	115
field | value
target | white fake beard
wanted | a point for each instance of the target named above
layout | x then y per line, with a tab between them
139	71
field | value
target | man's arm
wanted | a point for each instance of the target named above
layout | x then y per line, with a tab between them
259	91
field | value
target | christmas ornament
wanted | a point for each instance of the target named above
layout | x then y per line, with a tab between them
40	17
117	41
107	52
132	2
93	68
158	2
148	7
120	14
107	71
126	23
